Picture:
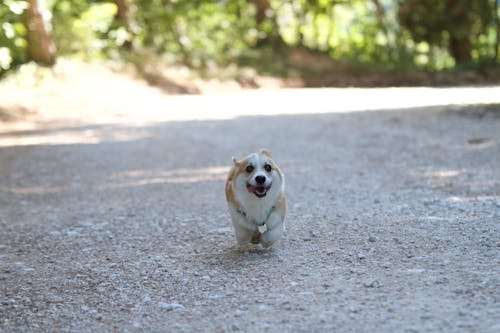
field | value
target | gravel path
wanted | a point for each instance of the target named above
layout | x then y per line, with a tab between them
393	224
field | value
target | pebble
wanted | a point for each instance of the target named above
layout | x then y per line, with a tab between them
372	239
370	283
170	306
263	308
234	327
354	309
386	265
55	233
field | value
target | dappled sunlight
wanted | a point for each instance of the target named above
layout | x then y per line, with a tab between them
460	185
33	190
68	135
444	174
133	178
461	199
437	177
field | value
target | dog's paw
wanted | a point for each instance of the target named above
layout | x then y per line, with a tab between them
255	237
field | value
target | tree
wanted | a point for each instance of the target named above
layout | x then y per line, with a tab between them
122	17
40	46
265	21
452	23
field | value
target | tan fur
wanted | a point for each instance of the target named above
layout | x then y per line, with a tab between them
281	205
233	173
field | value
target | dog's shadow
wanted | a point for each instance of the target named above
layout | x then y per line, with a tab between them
233	256
237	250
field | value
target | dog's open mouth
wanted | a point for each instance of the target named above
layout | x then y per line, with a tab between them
259	191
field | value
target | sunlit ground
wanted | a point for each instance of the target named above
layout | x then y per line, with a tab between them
60	106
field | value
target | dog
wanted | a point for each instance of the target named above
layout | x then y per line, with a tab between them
255	193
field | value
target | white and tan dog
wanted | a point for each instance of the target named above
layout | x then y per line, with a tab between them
255	193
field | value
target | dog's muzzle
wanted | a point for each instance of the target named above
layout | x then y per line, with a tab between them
259	190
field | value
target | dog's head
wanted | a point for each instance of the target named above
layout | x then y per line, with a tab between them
258	175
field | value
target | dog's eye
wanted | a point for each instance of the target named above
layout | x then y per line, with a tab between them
268	167
249	168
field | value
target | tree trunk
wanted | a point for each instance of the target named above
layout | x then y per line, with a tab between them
497	28
461	48
263	8
123	18
41	47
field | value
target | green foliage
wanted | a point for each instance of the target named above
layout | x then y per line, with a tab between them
389	34
81	27
346	30
199	33
12	35
459	26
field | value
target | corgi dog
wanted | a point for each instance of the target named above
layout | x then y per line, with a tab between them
255	193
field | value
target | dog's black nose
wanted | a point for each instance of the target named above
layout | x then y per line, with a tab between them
260	179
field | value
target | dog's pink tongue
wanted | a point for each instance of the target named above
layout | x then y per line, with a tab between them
251	188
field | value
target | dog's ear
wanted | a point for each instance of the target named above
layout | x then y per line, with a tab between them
235	161
266	152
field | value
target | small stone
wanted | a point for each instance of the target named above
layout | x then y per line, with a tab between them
354	309
170	306
234	327
372	239
223	231
370	283
386	265
263	308
361	256
238	313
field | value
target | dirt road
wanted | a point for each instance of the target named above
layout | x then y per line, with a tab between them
119	223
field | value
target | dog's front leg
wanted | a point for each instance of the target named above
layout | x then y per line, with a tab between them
274	230
244	232
244	235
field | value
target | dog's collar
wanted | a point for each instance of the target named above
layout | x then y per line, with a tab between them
257	223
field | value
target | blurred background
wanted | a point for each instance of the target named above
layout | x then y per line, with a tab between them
301	42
